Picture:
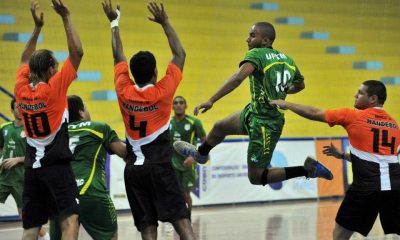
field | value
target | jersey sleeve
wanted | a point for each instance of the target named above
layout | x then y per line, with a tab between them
22	77
110	136
63	79
342	116
169	83
121	76
298	77
252	56
200	132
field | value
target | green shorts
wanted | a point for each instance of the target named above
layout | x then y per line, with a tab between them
12	182
96	214
187	178
264	134
15	191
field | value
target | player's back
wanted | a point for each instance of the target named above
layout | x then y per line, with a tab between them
89	142
146	112
274	73
44	112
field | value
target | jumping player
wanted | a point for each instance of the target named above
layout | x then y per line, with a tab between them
273	75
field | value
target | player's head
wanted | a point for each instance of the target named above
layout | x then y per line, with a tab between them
179	105
42	66
143	68
77	110
371	93
14	109
261	34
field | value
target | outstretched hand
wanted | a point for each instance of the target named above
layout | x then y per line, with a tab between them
39	22
60	8
331	150
109	11
159	14
205	106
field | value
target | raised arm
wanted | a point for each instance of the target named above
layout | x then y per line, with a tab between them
74	43
228	86
30	46
113	16
308	112
160	16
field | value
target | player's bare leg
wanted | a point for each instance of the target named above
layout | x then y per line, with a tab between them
341	233
149	232
69	227
30	233
184	229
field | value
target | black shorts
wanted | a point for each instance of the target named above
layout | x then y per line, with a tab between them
154	194
48	192
359	210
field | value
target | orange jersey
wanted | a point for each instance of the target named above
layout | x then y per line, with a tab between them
374	138
44	110
145	110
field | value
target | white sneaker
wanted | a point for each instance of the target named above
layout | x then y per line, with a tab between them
186	149
168	227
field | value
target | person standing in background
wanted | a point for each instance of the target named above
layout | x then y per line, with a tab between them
189	129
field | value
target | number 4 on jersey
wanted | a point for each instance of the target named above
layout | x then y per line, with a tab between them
141	128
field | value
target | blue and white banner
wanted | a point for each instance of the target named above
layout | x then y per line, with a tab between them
224	178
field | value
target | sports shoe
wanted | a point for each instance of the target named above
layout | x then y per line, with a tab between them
316	169
186	149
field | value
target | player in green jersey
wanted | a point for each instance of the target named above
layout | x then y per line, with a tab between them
12	156
12	147
89	142
185	128
272	75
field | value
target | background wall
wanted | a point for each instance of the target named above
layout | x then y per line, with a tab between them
213	33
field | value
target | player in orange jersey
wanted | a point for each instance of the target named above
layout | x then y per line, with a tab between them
374	138
145	104
49	186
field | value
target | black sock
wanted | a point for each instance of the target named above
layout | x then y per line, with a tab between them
205	148
292	172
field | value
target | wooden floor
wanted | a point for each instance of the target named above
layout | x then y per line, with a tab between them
304	220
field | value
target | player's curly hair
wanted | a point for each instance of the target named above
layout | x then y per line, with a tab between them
142	65
39	64
75	104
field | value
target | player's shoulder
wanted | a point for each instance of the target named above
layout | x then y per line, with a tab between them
192	119
96	128
6	124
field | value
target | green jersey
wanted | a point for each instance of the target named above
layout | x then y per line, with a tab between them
189	129
89	142
13	143
274	73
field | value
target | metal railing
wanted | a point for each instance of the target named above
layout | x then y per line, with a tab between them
8	93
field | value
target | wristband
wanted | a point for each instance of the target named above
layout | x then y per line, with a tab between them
115	22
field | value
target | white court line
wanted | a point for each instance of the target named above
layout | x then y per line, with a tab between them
10	229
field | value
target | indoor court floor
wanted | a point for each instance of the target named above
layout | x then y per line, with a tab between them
303	220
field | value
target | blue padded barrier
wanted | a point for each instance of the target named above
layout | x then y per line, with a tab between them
369	65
